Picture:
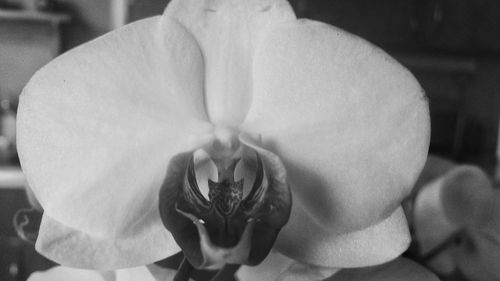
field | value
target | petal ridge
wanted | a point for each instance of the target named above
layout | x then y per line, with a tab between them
228	33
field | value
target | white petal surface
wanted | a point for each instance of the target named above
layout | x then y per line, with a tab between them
228	32
269	270
161	273
97	126
61	273
400	269
140	273
278	267
305	241
68	246
350	124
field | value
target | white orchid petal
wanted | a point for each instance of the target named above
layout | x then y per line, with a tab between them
269	270
140	273
304	272
160	273
400	269
62	273
350	124
98	125
228	32
305	241
71	247
277	267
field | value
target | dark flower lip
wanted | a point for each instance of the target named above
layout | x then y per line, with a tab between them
227	227
215	256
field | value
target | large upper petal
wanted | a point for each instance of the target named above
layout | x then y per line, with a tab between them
98	125
228	32
350	124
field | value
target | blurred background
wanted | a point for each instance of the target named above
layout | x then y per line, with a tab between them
451	46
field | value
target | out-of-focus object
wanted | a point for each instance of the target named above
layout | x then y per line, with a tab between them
497	170
139	9
6	4
11	177
28	5
455	217
28	40
7	132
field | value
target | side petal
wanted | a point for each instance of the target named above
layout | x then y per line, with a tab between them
228	32
71	247
400	269
307	242
350	124
98	125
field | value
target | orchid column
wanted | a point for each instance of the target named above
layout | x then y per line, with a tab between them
326	132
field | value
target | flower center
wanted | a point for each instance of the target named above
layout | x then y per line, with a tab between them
224	210
221	200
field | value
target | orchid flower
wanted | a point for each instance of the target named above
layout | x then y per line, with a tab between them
225	129
456	220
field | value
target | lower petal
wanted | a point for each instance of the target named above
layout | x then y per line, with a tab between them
72	247
400	269
62	273
304	240
279	267
269	270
